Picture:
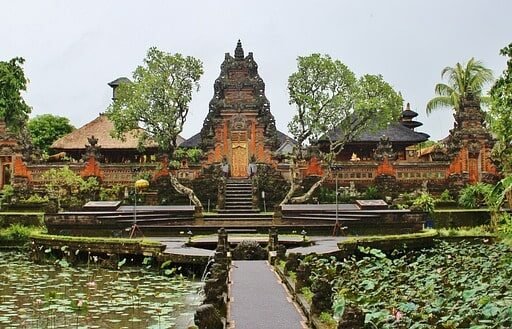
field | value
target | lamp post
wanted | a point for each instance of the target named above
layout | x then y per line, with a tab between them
336	169
303	233
139	184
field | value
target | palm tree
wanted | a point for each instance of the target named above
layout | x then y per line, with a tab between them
462	81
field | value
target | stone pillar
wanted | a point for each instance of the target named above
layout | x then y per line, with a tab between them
273	239
222	243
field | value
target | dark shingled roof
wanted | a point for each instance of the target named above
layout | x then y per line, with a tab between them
118	81
192	141
396	132
195	140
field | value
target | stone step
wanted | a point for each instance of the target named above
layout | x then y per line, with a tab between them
238	217
240	198
238	190
238	211
239	202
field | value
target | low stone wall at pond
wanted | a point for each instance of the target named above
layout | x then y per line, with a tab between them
26	219
460	217
75	249
212	314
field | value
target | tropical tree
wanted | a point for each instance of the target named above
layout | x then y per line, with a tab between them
500	115
13	109
157	102
500	123
46	128
463	79
334	106
69	188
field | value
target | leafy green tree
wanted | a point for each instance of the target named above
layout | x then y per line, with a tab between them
13	108
500	115
157	102
462	80
46	128
68	187
333	106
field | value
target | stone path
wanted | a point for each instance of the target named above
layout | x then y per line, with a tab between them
258	300
322	245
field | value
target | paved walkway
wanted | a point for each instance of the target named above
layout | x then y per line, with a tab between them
322	245
258	300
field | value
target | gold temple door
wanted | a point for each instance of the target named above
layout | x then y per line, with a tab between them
239	155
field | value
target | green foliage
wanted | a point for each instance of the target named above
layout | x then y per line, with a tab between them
475	196
7	193
70	190
194	155
445	196
46	128
18	233
466	231
272	182
372	193
113	193
424	202
328	96
505	227
500	115
157	101
13	108
307	293
328	320
453	285
334	107
463	80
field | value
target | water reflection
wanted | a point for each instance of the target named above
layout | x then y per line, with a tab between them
47	296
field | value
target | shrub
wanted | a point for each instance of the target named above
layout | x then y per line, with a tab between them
424	202
475	196
17	233
372	193
445	196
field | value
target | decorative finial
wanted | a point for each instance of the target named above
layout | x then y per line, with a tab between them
408	107
239	51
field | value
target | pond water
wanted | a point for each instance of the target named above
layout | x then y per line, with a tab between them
48	296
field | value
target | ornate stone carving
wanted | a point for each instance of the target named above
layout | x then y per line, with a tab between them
92	149
239	74
384	150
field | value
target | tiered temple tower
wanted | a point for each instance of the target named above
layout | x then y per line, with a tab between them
470	144
239	126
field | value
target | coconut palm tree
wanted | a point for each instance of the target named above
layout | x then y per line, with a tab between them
463	80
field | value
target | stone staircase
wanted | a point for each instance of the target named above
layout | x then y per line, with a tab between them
238	196
238	205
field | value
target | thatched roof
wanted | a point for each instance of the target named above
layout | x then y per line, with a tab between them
100	128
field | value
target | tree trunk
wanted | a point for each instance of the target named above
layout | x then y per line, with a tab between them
293	187
180	188
306	196
293	184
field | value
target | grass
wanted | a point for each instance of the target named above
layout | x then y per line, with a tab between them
307	293
466	231
393	237
105	240
18	233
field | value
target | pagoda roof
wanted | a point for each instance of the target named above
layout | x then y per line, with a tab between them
396	132
100	128
408	113
119	81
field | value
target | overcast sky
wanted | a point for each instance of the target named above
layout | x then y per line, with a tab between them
74	48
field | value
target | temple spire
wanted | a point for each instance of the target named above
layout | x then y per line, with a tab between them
239	51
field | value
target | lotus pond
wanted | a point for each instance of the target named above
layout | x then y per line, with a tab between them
48	296
462	284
